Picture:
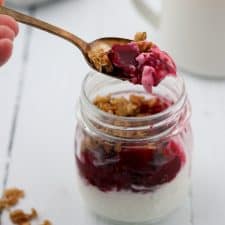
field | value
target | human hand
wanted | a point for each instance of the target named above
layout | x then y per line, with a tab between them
8	31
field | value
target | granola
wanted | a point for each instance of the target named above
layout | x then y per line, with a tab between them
20	217
10	197
46	222
140	36
99	58
121	106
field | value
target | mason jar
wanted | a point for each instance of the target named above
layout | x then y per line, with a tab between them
133	169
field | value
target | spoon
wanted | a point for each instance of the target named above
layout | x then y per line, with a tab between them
86	48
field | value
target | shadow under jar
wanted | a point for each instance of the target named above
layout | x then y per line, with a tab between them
133	169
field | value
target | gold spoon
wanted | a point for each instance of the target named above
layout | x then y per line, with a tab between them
86	48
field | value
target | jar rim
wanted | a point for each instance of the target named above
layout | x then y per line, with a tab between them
173	108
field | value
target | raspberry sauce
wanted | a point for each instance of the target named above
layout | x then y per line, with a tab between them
136	169
147	67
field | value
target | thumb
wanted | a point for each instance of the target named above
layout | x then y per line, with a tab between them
5	50
1	2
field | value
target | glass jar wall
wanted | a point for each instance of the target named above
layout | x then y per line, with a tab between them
133	169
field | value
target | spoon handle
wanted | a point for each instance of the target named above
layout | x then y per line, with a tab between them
22	18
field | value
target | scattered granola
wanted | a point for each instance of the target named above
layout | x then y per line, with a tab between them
19	216
46	222
10	197
140	36
135	106
100	60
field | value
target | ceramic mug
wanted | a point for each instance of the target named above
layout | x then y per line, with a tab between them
192	31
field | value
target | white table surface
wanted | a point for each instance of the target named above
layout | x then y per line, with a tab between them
38	92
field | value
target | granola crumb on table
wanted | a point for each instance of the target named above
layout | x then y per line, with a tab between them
19	216
46	222
10	198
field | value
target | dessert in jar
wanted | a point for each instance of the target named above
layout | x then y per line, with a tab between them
133	142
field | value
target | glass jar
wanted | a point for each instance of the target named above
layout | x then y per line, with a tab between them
133	169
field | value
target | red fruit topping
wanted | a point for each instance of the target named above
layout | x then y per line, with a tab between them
123	58
133	168
146	68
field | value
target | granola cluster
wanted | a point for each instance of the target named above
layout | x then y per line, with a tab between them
117	106
20	217
46	222
99	58
135	106
140	36
140	39
9	199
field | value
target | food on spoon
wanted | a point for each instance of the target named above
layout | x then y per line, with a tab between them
140	62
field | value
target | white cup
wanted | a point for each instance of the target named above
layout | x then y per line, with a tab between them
192	31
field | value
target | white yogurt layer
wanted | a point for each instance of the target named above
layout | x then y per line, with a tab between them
127	206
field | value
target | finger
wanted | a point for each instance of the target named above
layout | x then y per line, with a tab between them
1	2
10	22
6	33
5	50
